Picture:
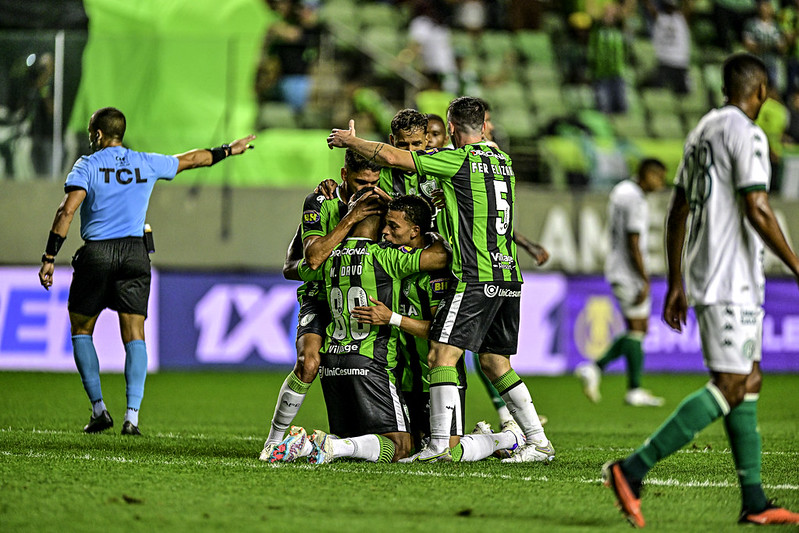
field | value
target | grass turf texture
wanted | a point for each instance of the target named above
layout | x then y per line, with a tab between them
196	467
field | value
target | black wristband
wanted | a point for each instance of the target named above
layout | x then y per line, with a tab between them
46	259
218	154
54	242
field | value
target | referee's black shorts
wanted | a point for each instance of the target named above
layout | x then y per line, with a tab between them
113	273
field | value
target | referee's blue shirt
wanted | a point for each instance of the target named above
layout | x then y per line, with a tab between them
118	184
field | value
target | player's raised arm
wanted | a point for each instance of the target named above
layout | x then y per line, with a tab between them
206	157
381	153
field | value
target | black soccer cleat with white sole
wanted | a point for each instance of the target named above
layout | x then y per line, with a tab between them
129	429
99	423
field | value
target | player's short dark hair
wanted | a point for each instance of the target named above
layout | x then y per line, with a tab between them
110	120
416	209
649	163
357	163
432	117
408	120
467	114
486	105
743	73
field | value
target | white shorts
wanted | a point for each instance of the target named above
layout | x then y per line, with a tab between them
626	294
731	337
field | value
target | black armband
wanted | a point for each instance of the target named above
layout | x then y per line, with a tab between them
54	242
219	153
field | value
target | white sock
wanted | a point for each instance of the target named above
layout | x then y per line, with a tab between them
98	407
445	403
365	447
504	415
132	416
520	405
477	447
288	405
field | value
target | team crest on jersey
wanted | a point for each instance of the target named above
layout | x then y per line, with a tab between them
405	249
427	187
311	217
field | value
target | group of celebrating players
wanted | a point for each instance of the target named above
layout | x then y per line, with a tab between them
385	323
407	263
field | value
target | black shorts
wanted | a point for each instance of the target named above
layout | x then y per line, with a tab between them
114	273
481	317
314	315
419	411
361	396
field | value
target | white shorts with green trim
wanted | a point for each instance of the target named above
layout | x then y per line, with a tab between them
731	336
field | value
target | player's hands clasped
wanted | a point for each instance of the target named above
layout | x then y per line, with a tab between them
340	138
371	203
377	314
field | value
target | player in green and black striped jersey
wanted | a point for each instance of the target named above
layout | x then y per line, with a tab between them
408	224
481	313
325	222
360	377
408	132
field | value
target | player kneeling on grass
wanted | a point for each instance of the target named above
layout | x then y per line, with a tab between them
408	224
359	370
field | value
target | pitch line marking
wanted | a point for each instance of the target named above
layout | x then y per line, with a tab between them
671	482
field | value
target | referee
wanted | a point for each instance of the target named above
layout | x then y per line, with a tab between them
112	187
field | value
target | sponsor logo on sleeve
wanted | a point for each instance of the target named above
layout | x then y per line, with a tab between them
311	217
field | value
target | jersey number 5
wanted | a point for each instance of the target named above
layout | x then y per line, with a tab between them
503	207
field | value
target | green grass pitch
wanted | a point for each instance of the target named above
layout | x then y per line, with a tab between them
196	468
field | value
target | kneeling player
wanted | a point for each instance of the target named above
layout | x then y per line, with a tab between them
359	369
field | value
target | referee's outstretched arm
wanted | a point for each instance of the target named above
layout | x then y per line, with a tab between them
206	157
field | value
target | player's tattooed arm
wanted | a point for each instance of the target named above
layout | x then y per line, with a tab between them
381	153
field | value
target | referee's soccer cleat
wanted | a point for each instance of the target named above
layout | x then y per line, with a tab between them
532	452
628	499
590	375
322	448
129	429
291	447
99	423
266	452
428	456
770	515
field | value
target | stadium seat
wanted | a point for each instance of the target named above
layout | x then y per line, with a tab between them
516	123
276	115
535	47
658	99
711	74
464	43
546	98
630	124
543	74
579	96
509	95
496	43
666	124
337	12
385	39
379	15
645	59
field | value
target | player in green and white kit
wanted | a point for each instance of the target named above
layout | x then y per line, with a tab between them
722	186
481	313
325	222
626	271
359	372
